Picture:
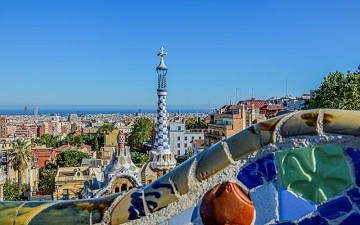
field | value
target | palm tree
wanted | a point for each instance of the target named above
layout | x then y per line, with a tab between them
20	157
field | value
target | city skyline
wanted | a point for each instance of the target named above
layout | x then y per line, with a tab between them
72	53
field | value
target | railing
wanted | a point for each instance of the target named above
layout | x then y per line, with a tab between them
73	178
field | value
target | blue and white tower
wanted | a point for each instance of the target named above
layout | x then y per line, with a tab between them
161	156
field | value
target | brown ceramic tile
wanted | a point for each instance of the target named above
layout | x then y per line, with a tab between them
227	203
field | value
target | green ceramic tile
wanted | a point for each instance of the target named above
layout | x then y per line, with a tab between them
315	173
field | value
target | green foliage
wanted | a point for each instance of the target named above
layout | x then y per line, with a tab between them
181	159
337	91
106	128
47	178
195	123
11	192
49	141
20	156
141	132
139	158
70	158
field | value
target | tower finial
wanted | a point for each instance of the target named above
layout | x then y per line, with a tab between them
162	53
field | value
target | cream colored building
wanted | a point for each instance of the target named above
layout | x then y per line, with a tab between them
69	181
2	181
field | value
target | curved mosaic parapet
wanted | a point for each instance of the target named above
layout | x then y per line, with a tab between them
255	160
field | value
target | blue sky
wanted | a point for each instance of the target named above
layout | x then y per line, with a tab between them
104	52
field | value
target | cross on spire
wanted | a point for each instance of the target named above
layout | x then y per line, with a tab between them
162	53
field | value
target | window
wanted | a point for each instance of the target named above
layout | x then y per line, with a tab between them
178	145
185	145
178	152
200	137
185	138
66	194
179	127
178	138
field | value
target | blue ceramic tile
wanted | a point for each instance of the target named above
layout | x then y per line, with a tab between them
354	195
182	218
196	218
335	208
355	156
293	207
265	212
257	172
284	223
316	220
353	219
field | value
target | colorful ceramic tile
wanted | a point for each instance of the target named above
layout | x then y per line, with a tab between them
293	207
355	156
132	206
163	188
8	211
353	219
265	212
230	198
29	210
354	195
258	172
316	220
315	173
77	212
335	208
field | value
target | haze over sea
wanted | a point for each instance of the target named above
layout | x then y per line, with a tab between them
84	109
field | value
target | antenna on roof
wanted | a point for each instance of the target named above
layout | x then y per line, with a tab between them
286	86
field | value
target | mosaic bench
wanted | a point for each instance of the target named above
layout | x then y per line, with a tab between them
299	168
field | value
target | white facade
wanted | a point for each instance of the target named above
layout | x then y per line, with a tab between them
288	102
180	139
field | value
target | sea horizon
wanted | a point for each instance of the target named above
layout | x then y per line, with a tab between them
8	110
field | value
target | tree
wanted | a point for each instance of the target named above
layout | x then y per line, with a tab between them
20	156
142	130
11	192
70	158
139	158
106	128
195	123
337	91
47	178
96	147
49	141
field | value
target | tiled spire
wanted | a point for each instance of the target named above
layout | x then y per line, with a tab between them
162	158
